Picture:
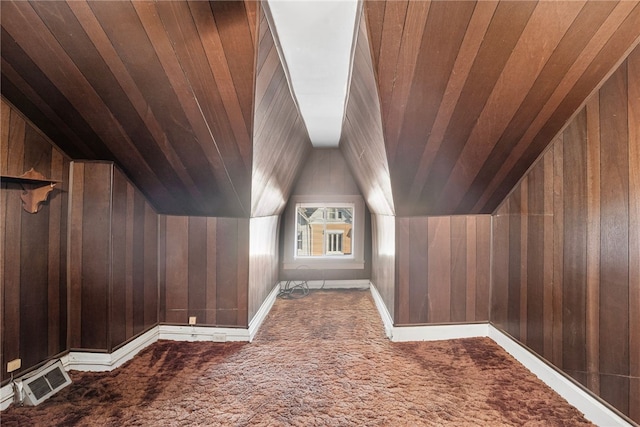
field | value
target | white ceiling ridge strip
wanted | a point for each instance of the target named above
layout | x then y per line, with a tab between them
316	42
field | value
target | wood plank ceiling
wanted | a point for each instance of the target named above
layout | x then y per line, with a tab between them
470	93
164	89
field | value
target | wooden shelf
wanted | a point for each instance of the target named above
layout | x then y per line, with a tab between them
36	188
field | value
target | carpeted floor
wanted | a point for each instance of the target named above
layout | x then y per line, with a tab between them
318	361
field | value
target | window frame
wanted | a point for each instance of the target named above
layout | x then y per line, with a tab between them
328	261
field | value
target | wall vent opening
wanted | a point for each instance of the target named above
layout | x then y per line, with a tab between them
38	386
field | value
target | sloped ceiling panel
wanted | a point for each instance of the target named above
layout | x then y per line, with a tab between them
164	89
472	92
362	141
280	141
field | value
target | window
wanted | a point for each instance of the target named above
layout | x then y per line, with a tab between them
324	230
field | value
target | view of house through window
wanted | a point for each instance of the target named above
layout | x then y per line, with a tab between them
323	230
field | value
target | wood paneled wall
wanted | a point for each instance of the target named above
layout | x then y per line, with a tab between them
204	270
113	286
280	141
442	269
383	258
325	173
362	140
567	255
263	260
33	275
163	89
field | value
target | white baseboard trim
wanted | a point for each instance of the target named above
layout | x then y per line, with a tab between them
592	408
97	362
439	332
202	333
387	321
6	396
333	284
264	309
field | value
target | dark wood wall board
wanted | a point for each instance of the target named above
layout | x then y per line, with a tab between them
588	183
615	38
589	18
164	90
118	289
429	254
575	256
362	142
196	269
150	261
420	303
535	259
633	70
459	233
96	257
32	248
206	270
281	145
176	265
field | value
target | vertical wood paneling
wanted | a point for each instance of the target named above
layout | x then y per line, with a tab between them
420	300
75	254
593	243
458	267
614	240
588	183
197	268
483	266
150	266
634	230
205	266
402	279
118	291
575	246
211	272
500	284
96	257
433	281
32	248
176	267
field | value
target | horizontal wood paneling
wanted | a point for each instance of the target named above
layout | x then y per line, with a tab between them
280	141
113	265
33	254
204	265
433	281
495	80
582	211
163	89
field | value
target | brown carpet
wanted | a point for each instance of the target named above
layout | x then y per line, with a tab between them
318	361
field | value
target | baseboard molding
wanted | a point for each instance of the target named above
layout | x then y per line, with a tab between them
591	406
439	332
387	321
264	309
6	396
97	362
334	284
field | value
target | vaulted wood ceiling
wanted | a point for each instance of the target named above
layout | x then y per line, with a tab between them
470	94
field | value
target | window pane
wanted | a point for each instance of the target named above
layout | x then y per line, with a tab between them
323	231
